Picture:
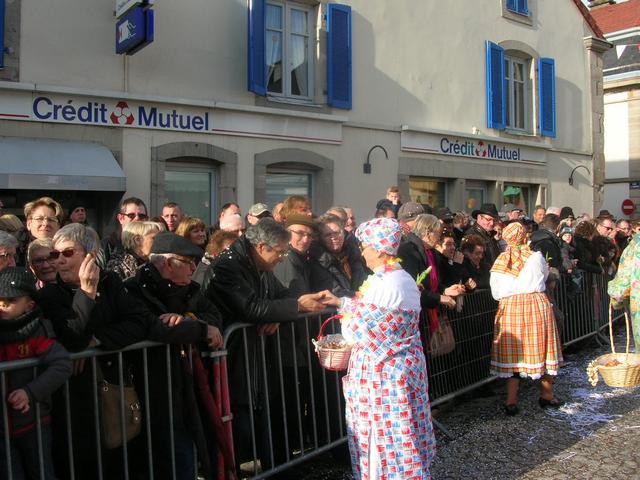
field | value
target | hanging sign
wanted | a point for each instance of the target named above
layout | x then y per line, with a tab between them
135	30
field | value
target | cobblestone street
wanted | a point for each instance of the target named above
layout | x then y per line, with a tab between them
593	436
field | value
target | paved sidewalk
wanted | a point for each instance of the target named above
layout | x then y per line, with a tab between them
596	435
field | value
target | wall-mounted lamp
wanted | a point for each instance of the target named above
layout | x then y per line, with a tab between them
366	167
572	171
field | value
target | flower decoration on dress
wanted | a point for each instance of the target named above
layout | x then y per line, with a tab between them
381	234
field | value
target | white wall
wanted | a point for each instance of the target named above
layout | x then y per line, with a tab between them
616	135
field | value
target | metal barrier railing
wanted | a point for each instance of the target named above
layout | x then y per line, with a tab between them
276	405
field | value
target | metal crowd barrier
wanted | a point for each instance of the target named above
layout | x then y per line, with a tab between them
88	458
277	406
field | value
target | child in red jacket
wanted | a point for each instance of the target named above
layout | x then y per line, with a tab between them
23	335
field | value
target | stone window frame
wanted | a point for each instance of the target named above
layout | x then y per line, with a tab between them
319	166
226	162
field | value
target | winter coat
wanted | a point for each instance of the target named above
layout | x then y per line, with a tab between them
30	336
550	246
328	274
149	287
242	293
124	264
295	273
492	249
586	255
413	259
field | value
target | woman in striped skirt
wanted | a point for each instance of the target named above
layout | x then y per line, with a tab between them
525	341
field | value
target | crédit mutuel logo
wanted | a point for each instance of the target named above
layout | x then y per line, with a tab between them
481	149
118	114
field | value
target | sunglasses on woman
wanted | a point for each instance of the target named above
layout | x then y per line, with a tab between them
68	253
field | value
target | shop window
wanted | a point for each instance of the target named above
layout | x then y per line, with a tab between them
282	184
510	92
282	54
519	195
428	191
193	187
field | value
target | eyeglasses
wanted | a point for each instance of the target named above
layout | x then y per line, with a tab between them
281	253
7	256
302	234
608	229
67	253
48	259
133	216
45	219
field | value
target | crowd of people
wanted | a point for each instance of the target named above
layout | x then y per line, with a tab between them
173	279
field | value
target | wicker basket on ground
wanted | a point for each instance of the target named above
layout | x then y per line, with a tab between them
617	369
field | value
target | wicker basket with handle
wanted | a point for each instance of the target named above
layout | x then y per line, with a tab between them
333	350
617	369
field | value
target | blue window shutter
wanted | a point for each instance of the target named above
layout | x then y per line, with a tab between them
523	7
547	95
2	9
256	66
496	104
339	56
512	5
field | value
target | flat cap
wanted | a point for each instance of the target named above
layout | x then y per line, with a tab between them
167	242
17	282
409	210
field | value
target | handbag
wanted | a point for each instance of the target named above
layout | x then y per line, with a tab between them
110	412
442	340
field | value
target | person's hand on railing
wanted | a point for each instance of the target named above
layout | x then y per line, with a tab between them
171	319
454	290
447	301
268	328
19	400
214	337
328	299
470	284
89	275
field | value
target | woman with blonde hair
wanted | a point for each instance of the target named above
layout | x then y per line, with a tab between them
44	217
137	239
525	341
193	229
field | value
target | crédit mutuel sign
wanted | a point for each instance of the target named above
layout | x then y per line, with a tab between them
123	113
421	141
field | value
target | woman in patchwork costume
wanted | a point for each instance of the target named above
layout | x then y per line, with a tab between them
626	285
386	391
525	340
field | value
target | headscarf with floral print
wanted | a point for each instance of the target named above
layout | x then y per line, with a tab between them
512	260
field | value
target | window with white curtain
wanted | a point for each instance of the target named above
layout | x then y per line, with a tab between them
289	49
517	84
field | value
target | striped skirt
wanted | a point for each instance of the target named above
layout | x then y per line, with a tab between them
525	337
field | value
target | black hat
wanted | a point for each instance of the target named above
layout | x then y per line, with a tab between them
17	282
566	212
486	209
444	214
167	242
384	203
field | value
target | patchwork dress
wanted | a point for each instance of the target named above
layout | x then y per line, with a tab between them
525	336
387	402
626	285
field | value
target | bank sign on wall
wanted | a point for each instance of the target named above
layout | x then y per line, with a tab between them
126	113
485	149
